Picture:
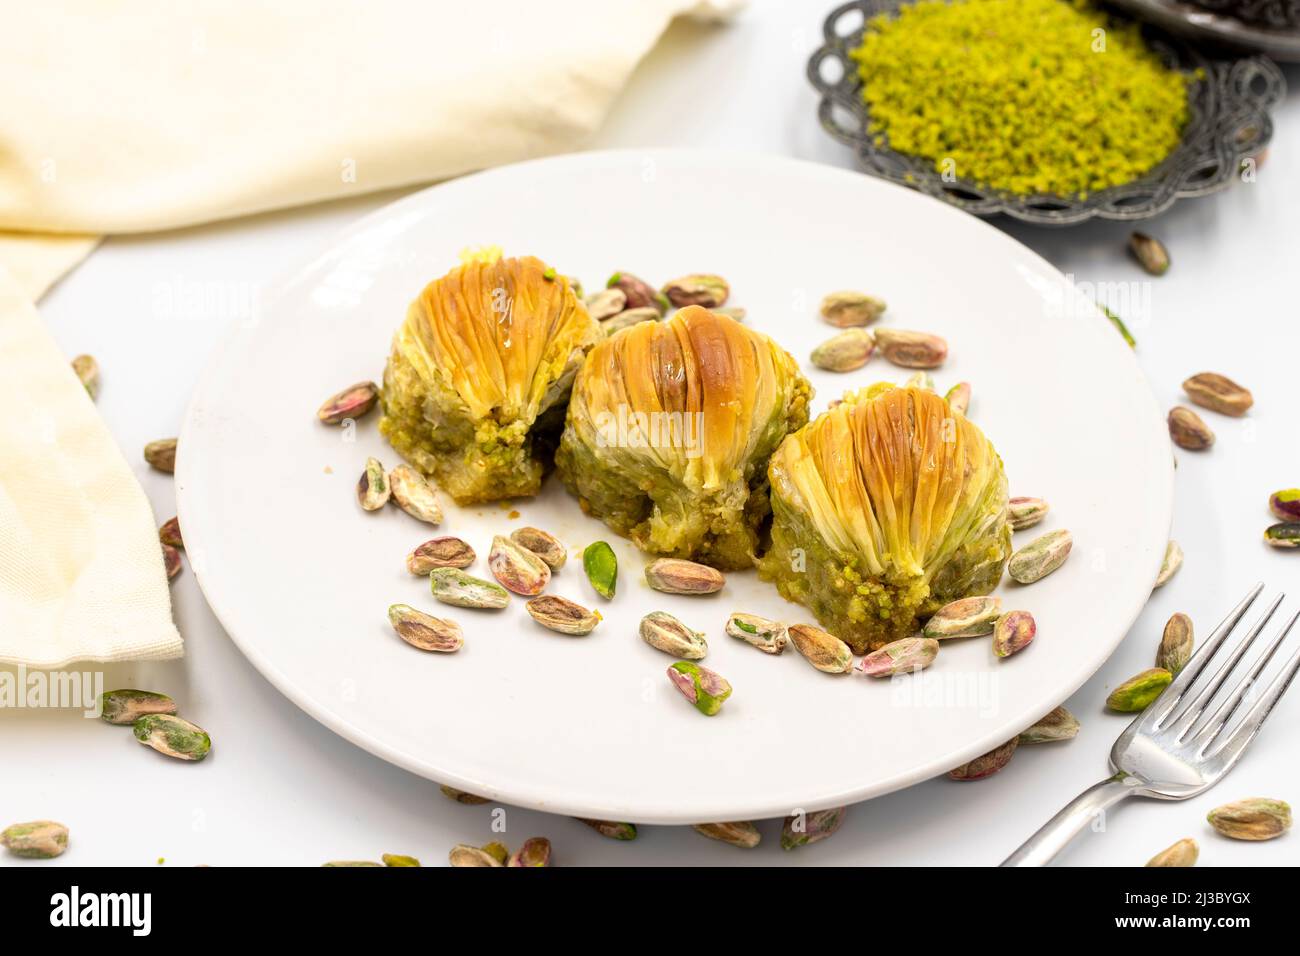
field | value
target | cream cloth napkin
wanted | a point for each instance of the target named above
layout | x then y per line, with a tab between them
150	114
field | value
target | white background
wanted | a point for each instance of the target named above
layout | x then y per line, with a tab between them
283	790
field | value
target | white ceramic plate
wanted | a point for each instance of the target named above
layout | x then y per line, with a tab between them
301	577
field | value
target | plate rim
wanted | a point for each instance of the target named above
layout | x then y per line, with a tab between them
558	802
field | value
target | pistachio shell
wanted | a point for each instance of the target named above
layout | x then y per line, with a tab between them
958	398
628	318
605	303
171	561
640	294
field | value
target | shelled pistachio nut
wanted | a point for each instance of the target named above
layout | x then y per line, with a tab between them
1137	693
517	568
900	657
699	288
601	566
1060	724
844	351
705	689
414	495
605	304
1219	394
630	317
1182	853
921	380
87	370
732	312
1013	632
424	631
610	829
1256	818
640	294
1025	512
802	829
1169	565
850	309
126	706
443	552
462	796
677	576
1188	430
666	633
562	615
373	490
463	854
351	403
1283	535
1176	644
536	851
172	736
171	561
170	533
768	636
958	398
1149	252
740	833
986	765
821	649
453	586
36	840
1285	504
351	863
911	349
543	544
397	859
1040	557
498	851
161	455
967	617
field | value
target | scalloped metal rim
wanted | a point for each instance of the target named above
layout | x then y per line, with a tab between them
1229	122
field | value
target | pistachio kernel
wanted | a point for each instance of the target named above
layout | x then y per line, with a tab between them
424	631
1176	644
958	398
444	552
1256	818
453	586
1138	692
170	533
740	833
900	657
678	576
802	829
851	309
601	565
464	855
986	765
821	649
161	455
36	840
1285	505
844	352
349	404
1284	535
1219	394
546	546
967	617
87	370
126	706
768	636
1149	252
172	736
517	568
1188	430
462	796
1013	632
1169	564
640	294
373	490
562	615
1060	724
536	851
705	689
911	349
1024	513
701	288
1040	557
610	829
1182	853
414	494
666	633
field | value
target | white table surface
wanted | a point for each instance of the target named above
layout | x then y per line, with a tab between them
281	789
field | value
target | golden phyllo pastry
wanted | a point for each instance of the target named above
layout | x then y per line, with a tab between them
479	375
669	431
885	508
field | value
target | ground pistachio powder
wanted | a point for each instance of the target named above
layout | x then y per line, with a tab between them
1023	96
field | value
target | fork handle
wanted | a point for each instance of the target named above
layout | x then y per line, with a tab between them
1056	834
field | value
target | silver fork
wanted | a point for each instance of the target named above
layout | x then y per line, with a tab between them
1169	751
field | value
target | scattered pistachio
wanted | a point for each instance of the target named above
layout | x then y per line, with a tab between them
607	828
768	636
444	552
1149	252
453	586
1182	853
1284	535
562	615
732	312
801	829
666	633
1137	693
911	349
1060	724
1188	430
171	561
127	706
424	631
703	289
1116	321
87	369
172	736
414	495
37	840
351	863
462	796
372	487
1255	818
606	303
536	851
967	617
844	351
351	403
629	317
601	565
1014	632
1040	557
396	859
958	397
1026	512
576	285
986	765
740	833
676	576
170	533
546	546
821	649
1176	644
704	688
1285	505
639	294
1169	565
517	568
1219	394
849	309
921	380
161	454
498	851
464	855
900	657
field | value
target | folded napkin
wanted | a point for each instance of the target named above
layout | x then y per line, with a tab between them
128	117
